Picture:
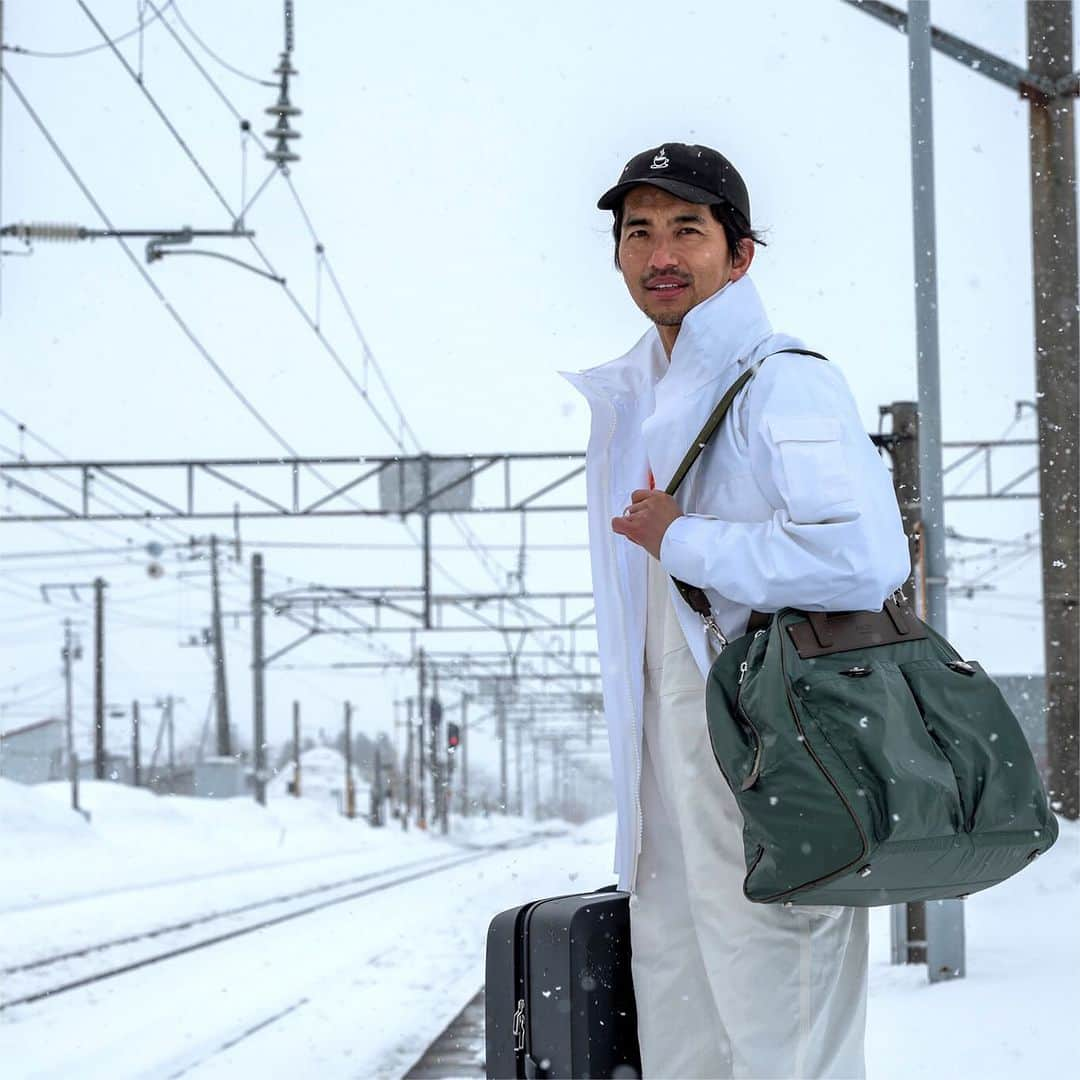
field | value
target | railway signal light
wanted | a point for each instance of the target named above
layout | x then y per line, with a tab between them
453	736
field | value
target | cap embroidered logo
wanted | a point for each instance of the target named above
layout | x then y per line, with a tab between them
661	159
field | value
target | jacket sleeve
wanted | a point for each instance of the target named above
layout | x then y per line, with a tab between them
834	541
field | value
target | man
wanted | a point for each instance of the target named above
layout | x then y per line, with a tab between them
789	505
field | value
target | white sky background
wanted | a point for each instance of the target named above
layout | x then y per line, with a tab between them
451	160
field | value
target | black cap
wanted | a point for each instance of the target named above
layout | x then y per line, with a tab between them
697	174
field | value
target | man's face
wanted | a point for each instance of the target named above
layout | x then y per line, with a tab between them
673	254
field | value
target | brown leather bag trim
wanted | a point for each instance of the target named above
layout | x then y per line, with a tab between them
824	633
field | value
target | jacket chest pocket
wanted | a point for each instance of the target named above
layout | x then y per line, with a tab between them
813	474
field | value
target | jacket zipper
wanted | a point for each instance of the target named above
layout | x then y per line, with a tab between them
625	652
825	773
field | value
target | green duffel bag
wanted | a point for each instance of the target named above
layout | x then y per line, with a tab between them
871	773
872	764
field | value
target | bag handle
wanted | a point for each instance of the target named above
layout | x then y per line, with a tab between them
694	596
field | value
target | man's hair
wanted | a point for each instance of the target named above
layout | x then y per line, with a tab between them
736	228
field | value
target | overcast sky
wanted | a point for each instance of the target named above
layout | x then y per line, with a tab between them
452	155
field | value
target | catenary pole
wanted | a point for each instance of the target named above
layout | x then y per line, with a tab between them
464	755
296	748
136	777
908	921
944	920
99	679
421	821
73	761
408	764
258	670
350	787
170	732
221	696
1057	384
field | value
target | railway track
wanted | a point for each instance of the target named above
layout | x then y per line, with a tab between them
51	976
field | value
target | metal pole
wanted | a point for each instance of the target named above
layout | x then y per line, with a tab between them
376	788
519	767
536	779
931	486
464	756
425	467
221	696
421	821
135	763
408	763
435	718
73	761
945	919
258	670
350	787
99	679
908	921
171	733
296	748
1057	382
504	785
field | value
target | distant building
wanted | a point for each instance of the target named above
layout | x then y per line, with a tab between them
33	754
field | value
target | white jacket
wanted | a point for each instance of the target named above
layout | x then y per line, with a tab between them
789	505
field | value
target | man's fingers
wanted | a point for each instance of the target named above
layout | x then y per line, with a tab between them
639	494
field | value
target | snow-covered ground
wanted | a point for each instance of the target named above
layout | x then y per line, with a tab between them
360	988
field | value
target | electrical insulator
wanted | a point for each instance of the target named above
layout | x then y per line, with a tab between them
46	231
281	132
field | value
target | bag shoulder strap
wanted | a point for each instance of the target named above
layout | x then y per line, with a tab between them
694	596
718	414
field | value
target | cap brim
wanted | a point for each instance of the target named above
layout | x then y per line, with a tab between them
610	199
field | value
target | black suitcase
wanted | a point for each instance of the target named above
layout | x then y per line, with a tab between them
559	999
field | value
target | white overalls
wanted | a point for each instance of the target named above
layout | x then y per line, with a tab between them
724	987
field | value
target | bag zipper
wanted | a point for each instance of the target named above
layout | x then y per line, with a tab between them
755	767
824	772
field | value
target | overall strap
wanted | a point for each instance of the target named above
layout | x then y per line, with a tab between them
694	596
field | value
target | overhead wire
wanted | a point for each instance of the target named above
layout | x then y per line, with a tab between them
218	370
495	571
213	55
70	54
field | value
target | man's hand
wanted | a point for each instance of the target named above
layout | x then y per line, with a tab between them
646	519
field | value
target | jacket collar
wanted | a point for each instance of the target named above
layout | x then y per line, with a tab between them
713	337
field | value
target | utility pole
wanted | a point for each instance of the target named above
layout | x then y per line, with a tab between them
504	785
99	679
464	756
931	483
536	778
135	763
1057	384
408	765
908	927
519	767
438	783
350	787
944	921
296	748
421	822
376	789
68	655
170	732
1050	87
258	668
221	696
